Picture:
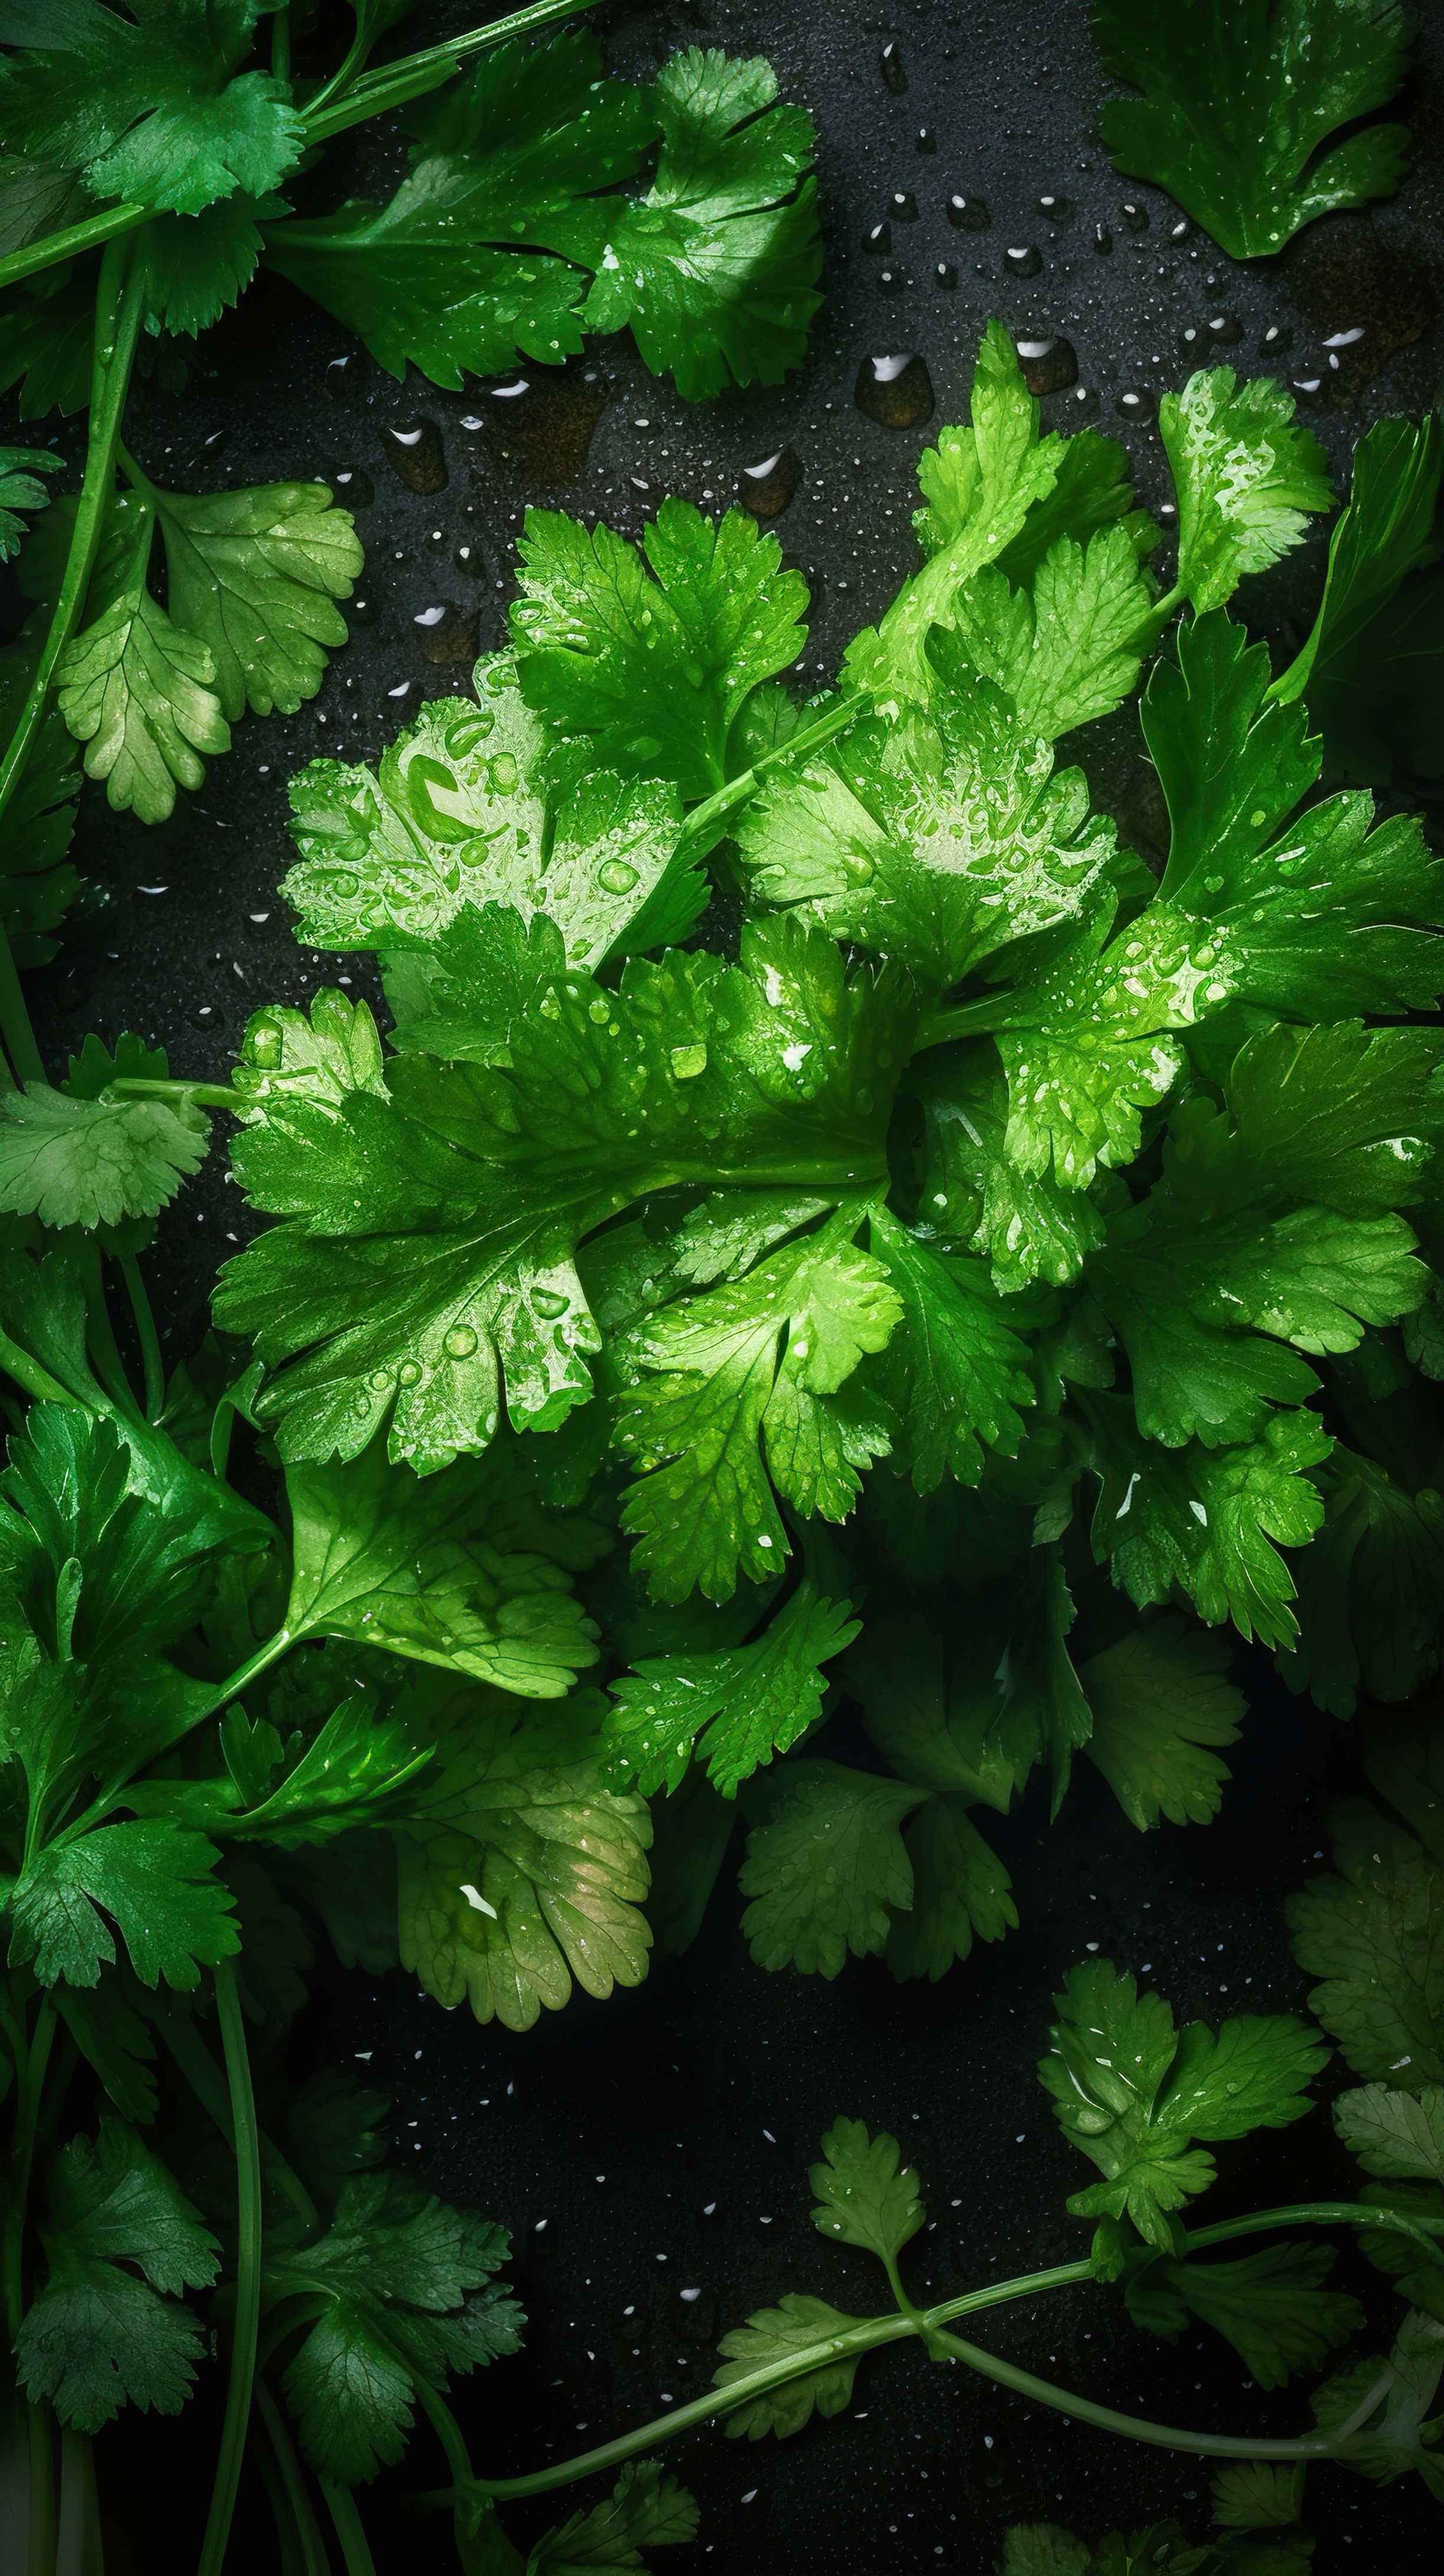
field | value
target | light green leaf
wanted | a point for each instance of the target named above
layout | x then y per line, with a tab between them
152	1880
868	2197
825	1864
954	1374
644	2511
19	490
797	2325
92	1162
197	268
960	1892
1043	2549
1393	2134
132	685
1066	650
1393	2436
1245	473
253	575
1375	1936
1028	1225
1255	2495
1269	2305
737	1707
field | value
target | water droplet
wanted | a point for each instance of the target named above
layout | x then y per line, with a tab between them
1134	218
265	1044
1102	238
1047	365
1180	230
447	634
1024	259
466	730
945	275
352	487
618	877
879	239
346	376
1055	210
895	390
1308	392
968	214
418	456
1190	340
1136	404
409	1372
459	1343
542	426
766	488
361	612
688	1061
903	206
468	559
342	885
1276	339
550	1303
503	775
927	139
889	279
1224	328
893	69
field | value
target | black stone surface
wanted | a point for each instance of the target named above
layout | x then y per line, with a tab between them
602	2137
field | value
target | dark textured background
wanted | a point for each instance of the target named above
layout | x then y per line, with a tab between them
604	2138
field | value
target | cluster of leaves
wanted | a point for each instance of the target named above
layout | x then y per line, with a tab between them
1241	100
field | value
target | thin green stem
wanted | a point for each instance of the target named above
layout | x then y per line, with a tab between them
78	2549
204	1095
100	1336
246	2323
72	242
149	1340
1138	2428
378	92
42	2518
704	826
30	2086
281	48
112	1793
340	2503
312	2548
15	1027
35	1379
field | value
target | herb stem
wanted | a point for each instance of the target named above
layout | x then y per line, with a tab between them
1138	2428
376	93
246	2323
146	1332
281	48
32	2056
35	1379
312	2548
15	1026
100	1336
205	1095
340	2503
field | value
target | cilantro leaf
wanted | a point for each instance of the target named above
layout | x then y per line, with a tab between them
1318	920
1066	648
1394	2135
194	271
649	654
449	274
644	2511
1255	2496
1159	1699
253	576
912	1683
47	346
1027	1224
736	1707
938	844
798	2324
1368	661
359	1769
19	490
405	2291
868	2197
771	1070
1210	1521
1134	2092
1374	1935
96	2336
1394	2433
1240	99
523	1870
92	1162
1245	473
153	1880
458	818
1270	2305
1371	1588
428	1567
960	1889
979	485
132	685
954	1372
147	105
749	1390
716	267
1044	2549
825	1864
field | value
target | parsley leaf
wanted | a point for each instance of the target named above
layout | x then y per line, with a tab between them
153	1880
1374	1935
402	2289
960	1889
92	1162
195	270
1270	2305
1160	1705
1210	1521
748	1390
1394	2135
914	1684
99	2335
449	275
644	2511
775	2334
1393	2435
938	844
458	817
954	1373
1028	1225
736	1707
1065	648
37	885
133	686
147	106
522	1869
716	267
649	654
1245	474
436	1219
825	1864
1134	2092
1371	1588
868	2196
429	1567
19	490
1240	99
253	575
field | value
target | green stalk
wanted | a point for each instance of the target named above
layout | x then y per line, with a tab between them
281	48
340	2503
374	95
33	2058
312	2548
35	1379
78	2550
1164	2437
204	1095
41	2528
119	302
100	1336
246	2323
149	1342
